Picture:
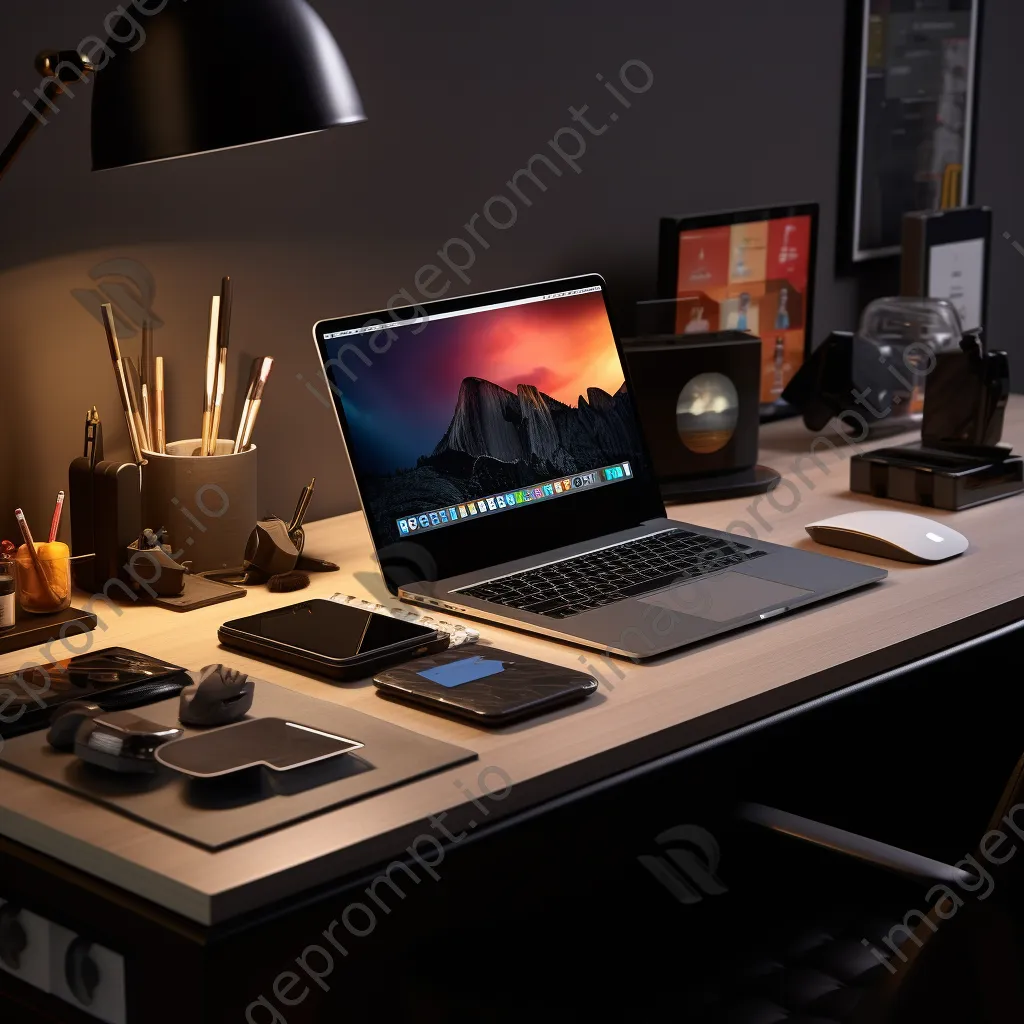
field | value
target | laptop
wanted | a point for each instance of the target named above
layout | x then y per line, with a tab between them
504	477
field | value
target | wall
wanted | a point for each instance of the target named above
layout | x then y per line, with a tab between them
743	111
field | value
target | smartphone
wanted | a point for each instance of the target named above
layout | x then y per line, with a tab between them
115	678
485	685
331	639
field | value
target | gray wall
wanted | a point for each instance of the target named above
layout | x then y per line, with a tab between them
744	110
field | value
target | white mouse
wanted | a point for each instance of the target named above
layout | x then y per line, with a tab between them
898	535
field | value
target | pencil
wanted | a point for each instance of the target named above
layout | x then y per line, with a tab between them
159	423
147	416
266	365
211	376
147	372
26	535
135	395
55	522
122	383
223	340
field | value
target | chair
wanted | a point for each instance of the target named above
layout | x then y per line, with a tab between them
952	954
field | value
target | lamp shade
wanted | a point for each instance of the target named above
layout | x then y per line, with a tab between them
213	74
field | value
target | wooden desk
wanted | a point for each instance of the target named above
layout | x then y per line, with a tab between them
643	713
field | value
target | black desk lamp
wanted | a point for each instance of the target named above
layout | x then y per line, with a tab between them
207	76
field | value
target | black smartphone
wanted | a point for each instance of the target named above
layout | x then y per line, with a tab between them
331	639
115	678
484	685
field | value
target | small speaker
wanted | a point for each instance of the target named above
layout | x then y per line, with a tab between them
698	399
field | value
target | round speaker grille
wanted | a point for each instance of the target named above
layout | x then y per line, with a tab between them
707	411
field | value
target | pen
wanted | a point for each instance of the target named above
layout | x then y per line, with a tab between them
303	505
55	521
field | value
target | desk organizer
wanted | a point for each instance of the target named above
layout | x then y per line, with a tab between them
214	814
936	478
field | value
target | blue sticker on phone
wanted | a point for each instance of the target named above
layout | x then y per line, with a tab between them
466	670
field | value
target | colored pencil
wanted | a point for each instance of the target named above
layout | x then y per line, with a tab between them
26	535
55	521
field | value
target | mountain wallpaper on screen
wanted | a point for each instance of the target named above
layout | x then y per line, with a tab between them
499	441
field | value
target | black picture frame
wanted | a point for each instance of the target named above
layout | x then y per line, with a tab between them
870	190
670	229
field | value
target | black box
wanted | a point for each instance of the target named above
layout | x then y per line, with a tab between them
698	399
936	478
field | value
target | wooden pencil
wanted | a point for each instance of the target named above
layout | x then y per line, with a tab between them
135	387
110	328
159	421
147	371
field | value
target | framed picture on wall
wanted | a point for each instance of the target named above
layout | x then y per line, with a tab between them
910	106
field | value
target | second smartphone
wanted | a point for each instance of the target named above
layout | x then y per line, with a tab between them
331	639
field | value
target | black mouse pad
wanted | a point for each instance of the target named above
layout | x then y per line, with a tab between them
256	743
221	811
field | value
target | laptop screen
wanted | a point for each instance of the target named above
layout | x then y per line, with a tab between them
484	409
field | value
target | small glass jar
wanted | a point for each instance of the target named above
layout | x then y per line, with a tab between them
51	591
8	611
894	352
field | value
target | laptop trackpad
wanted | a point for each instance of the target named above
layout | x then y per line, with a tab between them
730	595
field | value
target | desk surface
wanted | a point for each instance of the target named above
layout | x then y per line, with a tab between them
642	712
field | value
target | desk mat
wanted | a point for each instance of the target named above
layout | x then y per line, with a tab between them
215	813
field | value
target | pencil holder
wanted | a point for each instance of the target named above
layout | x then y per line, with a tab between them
206	505
44	582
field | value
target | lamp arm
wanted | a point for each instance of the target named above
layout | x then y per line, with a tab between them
60	67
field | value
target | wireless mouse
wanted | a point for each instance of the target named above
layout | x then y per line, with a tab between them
66	721
897	535
220	696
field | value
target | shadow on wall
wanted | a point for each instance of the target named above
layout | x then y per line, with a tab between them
57	365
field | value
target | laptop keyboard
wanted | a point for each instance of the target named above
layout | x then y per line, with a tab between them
612	574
